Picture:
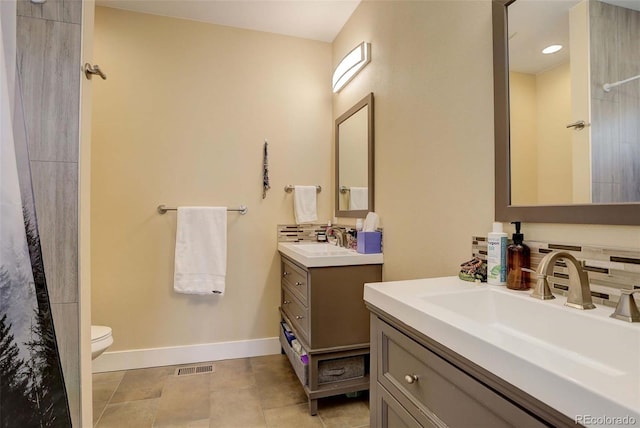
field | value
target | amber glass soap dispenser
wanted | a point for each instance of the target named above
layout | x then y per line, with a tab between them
518	258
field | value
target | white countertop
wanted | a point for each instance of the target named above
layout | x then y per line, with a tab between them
311	254
582	363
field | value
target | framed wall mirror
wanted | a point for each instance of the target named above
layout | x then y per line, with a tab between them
567	124
354	138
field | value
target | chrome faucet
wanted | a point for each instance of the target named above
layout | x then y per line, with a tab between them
341	236
579	295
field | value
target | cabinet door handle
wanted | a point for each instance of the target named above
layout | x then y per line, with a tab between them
411	378
298	283
285	273
299	317
286	302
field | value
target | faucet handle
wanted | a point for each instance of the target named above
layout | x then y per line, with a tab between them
541	290
627	310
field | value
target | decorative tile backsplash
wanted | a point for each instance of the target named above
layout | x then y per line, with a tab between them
309	232
609	269
300	232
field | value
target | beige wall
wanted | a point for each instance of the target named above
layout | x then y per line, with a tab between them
431	75
580	100
181	120
555	170
434	156
84	220
524	150
541	148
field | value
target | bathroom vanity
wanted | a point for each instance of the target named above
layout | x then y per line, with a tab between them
445	352
321	303
419	383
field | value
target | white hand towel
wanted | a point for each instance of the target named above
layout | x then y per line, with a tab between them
358	198
304	204
201	250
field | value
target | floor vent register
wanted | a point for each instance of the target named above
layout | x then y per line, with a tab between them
194	370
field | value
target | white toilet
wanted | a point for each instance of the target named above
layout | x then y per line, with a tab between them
101	339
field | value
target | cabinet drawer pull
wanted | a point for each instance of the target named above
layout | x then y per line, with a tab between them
298	283
285	273
299	317
286	302
411	378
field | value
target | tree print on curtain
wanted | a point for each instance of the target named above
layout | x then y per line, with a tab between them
32	390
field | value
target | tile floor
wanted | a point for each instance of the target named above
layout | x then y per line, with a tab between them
241	393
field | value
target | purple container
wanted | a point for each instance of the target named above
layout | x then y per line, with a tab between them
369	242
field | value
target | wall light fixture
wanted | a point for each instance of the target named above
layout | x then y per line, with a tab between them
351	65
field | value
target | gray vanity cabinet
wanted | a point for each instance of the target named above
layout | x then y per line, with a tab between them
416	382
325	310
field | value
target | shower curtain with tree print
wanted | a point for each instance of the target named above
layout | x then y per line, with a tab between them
32	391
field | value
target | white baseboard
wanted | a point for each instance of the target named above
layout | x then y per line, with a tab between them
155	357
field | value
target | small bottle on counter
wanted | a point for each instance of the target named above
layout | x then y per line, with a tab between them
497	256
518	256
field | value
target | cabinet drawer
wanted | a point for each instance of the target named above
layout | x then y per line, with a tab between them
391	414
296	312
411	371
295	279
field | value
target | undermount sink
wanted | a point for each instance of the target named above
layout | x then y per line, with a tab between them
324	254
579	362
543	327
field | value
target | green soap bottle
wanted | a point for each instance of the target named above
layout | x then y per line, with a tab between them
518	257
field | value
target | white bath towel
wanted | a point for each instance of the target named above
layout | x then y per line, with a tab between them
201	250
359	198
304	204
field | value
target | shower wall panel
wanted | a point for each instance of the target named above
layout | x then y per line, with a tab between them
48	38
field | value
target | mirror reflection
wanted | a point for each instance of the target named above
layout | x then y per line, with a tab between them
354	160
353	168
554	160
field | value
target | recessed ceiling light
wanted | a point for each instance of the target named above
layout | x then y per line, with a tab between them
551	49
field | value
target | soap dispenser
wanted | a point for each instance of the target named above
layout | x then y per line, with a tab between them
518	257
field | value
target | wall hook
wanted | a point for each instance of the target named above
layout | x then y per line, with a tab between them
90	70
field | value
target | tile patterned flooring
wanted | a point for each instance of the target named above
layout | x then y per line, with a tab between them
242	393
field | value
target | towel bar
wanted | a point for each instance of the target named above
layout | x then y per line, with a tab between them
289	188
163	209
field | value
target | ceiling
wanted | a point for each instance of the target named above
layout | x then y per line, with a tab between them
531	27
536	24
309	19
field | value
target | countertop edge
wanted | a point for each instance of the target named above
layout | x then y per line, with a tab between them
562	394
329	261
